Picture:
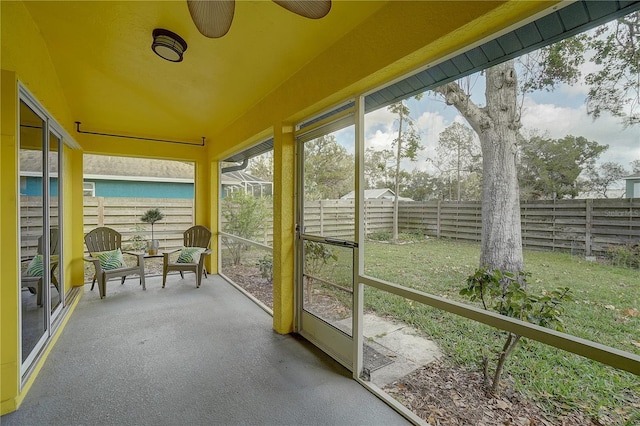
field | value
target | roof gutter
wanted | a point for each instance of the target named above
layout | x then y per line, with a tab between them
237	167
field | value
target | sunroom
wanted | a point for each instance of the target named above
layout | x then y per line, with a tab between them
83	78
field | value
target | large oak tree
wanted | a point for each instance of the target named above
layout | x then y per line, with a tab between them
497	125
614	88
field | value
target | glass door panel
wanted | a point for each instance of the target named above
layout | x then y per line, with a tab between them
33	278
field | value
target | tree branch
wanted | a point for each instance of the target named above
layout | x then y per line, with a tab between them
454	95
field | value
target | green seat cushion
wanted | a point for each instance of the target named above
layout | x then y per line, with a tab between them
110	259
35	267
190	254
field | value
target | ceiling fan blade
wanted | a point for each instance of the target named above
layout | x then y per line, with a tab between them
314	9
212	17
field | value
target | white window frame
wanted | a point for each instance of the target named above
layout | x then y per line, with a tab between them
88	189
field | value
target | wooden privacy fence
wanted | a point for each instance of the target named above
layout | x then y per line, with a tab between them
31	222
334	218
580	226
585	227
123	215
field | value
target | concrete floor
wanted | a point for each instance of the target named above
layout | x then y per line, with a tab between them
187	356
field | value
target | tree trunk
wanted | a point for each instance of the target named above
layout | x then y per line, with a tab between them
497	125
397	184
501	246
458	171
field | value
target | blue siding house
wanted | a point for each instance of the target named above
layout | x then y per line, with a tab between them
106	176
137	177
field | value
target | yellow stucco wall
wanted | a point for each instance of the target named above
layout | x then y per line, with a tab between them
398	38
25	52
25	59
9	339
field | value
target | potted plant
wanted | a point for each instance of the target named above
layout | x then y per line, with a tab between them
152	216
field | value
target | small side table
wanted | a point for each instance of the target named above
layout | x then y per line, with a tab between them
148	256
159	254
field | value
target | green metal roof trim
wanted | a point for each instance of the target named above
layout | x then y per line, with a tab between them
254	151
570	20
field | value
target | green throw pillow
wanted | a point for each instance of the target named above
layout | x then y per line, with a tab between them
190	254
35	267
110	259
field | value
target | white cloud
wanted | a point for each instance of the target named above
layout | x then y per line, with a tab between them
430	125
380	131
379	140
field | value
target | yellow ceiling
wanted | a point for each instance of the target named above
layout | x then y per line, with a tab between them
113	82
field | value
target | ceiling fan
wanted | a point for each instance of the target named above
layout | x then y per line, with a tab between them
213	17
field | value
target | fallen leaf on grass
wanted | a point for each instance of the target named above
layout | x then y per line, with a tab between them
631	312
610	307
637	344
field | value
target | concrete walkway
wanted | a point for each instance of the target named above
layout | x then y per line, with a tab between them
187	356
401	344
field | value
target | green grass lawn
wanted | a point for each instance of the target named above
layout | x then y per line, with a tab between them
606	300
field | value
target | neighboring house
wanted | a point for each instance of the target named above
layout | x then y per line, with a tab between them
633	186
107	176
31	173
243	181
378	194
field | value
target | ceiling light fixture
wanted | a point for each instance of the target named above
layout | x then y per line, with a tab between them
168	45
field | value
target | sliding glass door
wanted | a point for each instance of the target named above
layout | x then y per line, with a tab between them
34	318
41	281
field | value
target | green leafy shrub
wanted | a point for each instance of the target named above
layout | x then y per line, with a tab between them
316	257
379	236
410	237
245	217
507	294
625	255
406	237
